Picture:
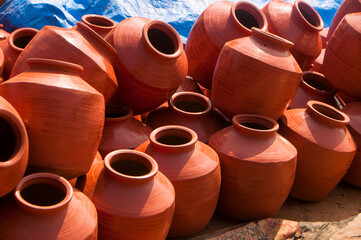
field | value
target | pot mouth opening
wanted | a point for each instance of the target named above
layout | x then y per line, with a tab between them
131	167
161	41
52	63
328	112
43	194
309	15
10	140
273	38
173	136
20	38
317	82
255	123
191	102
248	15
114	111
99	21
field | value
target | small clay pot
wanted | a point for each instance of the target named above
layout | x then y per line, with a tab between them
100	24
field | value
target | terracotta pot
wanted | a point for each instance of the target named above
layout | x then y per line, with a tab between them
206	92
255	75
299	23
121	130
341	64
194	170
100	24
324	145
151	63
323	35
14	147
133	199
258	167
47	207
63	115
317	64
219	23
192	110
13	46
314	86
189	85
79	45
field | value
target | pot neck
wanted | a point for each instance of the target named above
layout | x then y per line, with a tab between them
190	104
327	114
98	22
255	125
317	83
50	65
271	39
118	113
21	37
307	16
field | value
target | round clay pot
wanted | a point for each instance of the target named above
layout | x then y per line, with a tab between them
341	64
317	64
150	64
324	39
189	85
189	109
255	75
79	45
100	24
45	206
133	199
63	115
194	170
258	167
299	23
121	130
14	147
324	145
314	86
219	23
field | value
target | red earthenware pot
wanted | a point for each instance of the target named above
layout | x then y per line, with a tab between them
299	23
314	86
192	110
255	75
258	167
317	64
219	23
151	63
14	46
79	45
47	207
189	85
342	62
133	199
194	170
323	35
100	24
63	115
121	130
324	145
14	147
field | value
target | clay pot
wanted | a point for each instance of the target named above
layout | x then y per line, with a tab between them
63	115
100	24
192	110
133	199
342	64
258	167
317	64
13	46
45	206
14	147
347	99
194	170
219	23
299	23
314	86
121	130
324	145
79	45
189	85
324	39
255	75
150	64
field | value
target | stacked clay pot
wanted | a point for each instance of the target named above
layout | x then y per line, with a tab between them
220	22
255	75
194	170
100	24
324	145
133	199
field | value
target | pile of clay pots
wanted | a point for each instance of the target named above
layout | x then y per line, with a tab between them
184	129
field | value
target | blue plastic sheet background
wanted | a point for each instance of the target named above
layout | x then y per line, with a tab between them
181	14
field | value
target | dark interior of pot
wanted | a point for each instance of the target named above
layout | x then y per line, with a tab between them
317	82
329	112
247	19
173	140
161	41
309	14
256	126
103	22
130	167
7	140
23	41
190	106
115	111
42	194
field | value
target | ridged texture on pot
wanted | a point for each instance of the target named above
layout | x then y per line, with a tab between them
63	116
298	23
324	145
100	24
150	64
258	167
219	23
317	64
255	75
14	147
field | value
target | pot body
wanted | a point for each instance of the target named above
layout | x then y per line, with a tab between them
317	64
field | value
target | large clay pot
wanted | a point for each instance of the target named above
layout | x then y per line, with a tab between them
255	75
258	167
14	147
342	62
194	170
45	207
63	115
151	63
324	145
299	23
121	130
133	199
219	23
100	24
317	64
79	45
